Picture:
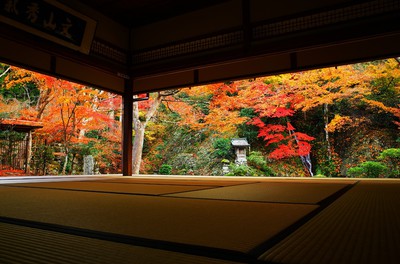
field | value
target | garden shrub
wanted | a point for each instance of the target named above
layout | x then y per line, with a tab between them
165	169
223	148
391	157
368	169
257	160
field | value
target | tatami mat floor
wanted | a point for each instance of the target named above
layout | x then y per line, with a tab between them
117	219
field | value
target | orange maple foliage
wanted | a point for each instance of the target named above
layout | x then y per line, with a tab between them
73	112
68	111
223	115
45	84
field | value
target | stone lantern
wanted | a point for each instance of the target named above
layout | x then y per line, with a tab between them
240	146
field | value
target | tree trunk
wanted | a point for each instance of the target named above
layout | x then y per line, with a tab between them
139	127
65	164
28	152
137	149
72	163
326	122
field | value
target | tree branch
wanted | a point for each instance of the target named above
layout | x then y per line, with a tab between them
168	92
154	107
5	72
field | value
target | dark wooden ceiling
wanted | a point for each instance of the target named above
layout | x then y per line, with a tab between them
134	13
206	41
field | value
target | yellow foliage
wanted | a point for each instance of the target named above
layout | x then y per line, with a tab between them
380	107
339	123
199	90
153	131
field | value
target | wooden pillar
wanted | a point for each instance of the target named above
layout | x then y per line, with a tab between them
127	117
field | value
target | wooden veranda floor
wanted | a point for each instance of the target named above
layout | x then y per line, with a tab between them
114	219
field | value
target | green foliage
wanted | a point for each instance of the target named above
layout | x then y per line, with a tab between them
251	170
9	141
165	169
391	153
385	91
391	157
27	92
93	134
355	172
11	135
85	149
368	169
4	116
201	103
329	167
41	156
325	164
223	148
160	147
241	170
248	112
319	176
257	160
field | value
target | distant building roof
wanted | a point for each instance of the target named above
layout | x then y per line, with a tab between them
19	125
239	142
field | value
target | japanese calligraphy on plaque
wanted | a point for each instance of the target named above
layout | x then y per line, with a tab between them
50	20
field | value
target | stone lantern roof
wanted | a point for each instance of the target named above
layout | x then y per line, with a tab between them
239	142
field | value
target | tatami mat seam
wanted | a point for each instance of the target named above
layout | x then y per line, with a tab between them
232	200
218	253
162	184
330	199
217	187
78	190
96	191
360	227
263	247
213	188
189	183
